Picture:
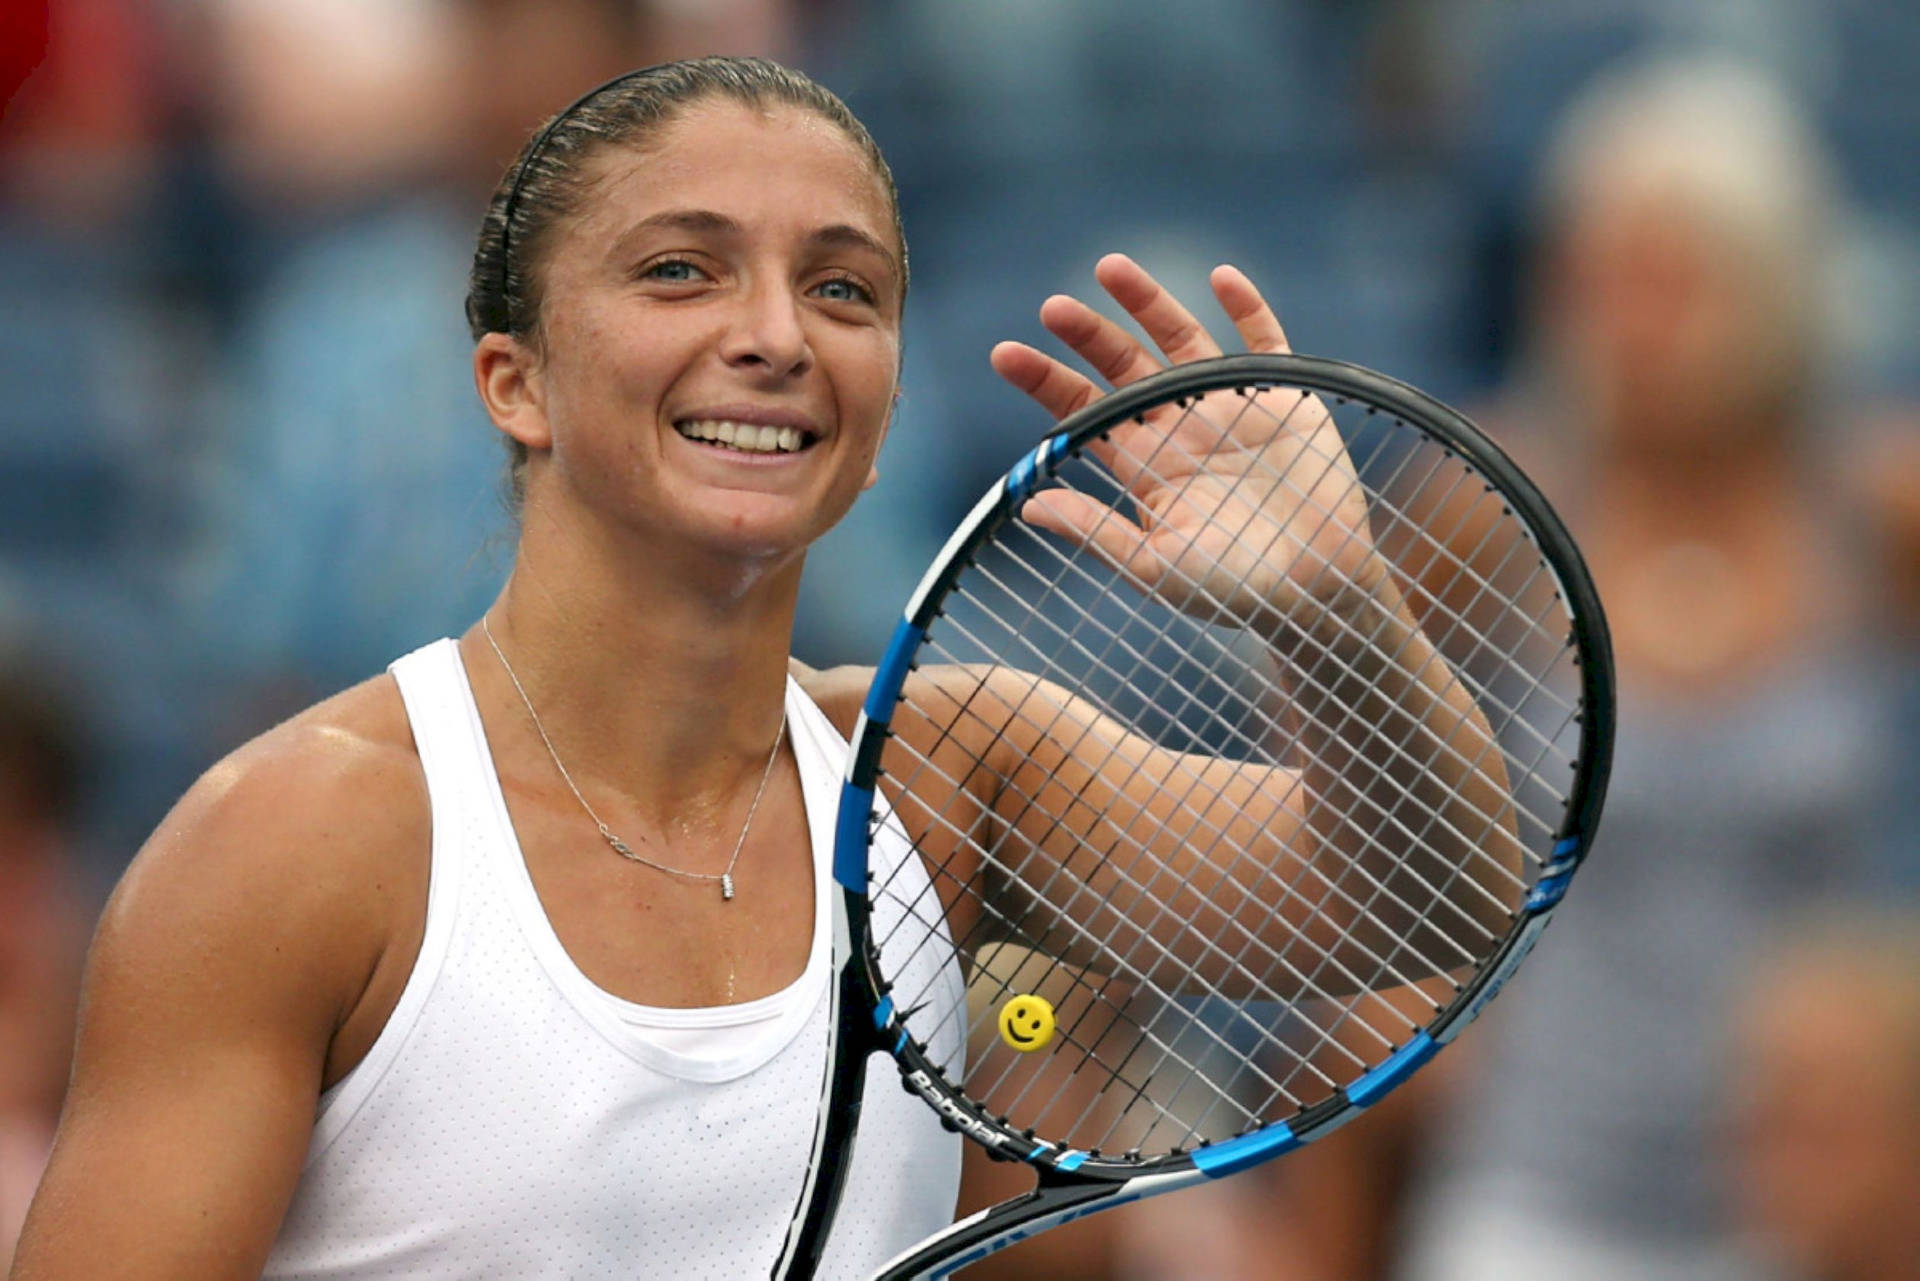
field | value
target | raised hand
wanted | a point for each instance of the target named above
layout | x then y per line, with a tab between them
1250	511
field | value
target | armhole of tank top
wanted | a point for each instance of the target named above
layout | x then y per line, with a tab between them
424	688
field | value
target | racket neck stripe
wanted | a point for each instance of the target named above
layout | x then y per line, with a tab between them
850	838
1248	1150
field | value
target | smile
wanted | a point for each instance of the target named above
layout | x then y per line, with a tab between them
746	438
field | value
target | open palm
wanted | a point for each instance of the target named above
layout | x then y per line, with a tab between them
1248	504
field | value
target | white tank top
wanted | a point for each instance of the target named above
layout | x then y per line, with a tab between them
514	1120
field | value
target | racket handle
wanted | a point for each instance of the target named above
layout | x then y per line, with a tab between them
839	1122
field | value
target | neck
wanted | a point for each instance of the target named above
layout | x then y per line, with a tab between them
663	677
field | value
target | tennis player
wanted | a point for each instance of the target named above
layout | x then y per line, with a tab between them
511	961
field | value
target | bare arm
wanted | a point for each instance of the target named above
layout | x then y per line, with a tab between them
1263	879
240	942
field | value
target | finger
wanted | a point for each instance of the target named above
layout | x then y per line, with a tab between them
1115	354
1258	327
1170	325
1062	392
1059	390
1089	523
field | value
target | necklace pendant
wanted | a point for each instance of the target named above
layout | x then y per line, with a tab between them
726	885
621	848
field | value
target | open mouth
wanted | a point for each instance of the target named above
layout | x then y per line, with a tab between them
746	438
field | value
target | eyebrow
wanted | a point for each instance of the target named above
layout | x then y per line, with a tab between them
844	236
838	235
686	220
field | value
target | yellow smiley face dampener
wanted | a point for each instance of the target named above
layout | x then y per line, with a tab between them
1026	1023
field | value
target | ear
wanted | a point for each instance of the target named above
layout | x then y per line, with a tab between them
507	375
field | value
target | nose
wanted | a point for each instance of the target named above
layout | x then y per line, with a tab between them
766	332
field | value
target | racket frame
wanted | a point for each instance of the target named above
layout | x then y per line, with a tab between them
1072	1183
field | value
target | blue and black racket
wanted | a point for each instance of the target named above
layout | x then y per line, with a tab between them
1248	734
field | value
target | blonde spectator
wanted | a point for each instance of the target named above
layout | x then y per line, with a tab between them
1673	402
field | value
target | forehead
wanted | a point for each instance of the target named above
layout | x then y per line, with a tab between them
781	167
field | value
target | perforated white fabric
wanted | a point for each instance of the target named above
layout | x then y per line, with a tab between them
514	1120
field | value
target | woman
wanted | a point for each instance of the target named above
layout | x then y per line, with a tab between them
535	920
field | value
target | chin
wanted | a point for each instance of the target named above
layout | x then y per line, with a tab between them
759	530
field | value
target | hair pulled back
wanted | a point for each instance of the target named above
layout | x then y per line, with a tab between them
548	182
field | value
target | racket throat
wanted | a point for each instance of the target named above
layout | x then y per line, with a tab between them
1009	1223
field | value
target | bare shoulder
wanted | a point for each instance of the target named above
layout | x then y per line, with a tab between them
307	845
328	792
840	692
241	963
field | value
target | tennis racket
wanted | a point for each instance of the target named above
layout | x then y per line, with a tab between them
1232	834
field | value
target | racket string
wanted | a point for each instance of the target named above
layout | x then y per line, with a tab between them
964	949
1127	1024
1003	623
1014	873
1488	817
1488	820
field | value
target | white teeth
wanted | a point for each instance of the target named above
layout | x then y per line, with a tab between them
748	437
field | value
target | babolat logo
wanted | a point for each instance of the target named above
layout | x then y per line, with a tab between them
946	1107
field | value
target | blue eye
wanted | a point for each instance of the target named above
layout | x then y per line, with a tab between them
844	289
676	271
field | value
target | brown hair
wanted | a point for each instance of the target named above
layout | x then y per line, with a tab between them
546	184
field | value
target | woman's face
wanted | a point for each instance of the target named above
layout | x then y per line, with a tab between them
1667	332
721	334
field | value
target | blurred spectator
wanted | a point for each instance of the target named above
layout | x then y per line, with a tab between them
41	932
23	44
80	132
776	29
1675	407
1825	1117
316	103
101	367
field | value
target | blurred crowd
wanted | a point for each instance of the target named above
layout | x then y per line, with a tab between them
1668	251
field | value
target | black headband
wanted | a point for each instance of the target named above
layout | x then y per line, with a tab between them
526	163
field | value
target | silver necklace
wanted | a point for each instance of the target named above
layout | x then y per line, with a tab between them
620	847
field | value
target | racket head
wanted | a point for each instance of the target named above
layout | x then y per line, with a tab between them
1143	1077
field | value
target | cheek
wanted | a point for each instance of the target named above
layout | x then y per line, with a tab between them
865	366
611	374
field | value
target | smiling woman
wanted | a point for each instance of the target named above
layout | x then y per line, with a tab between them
513	961
727	276
552	178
